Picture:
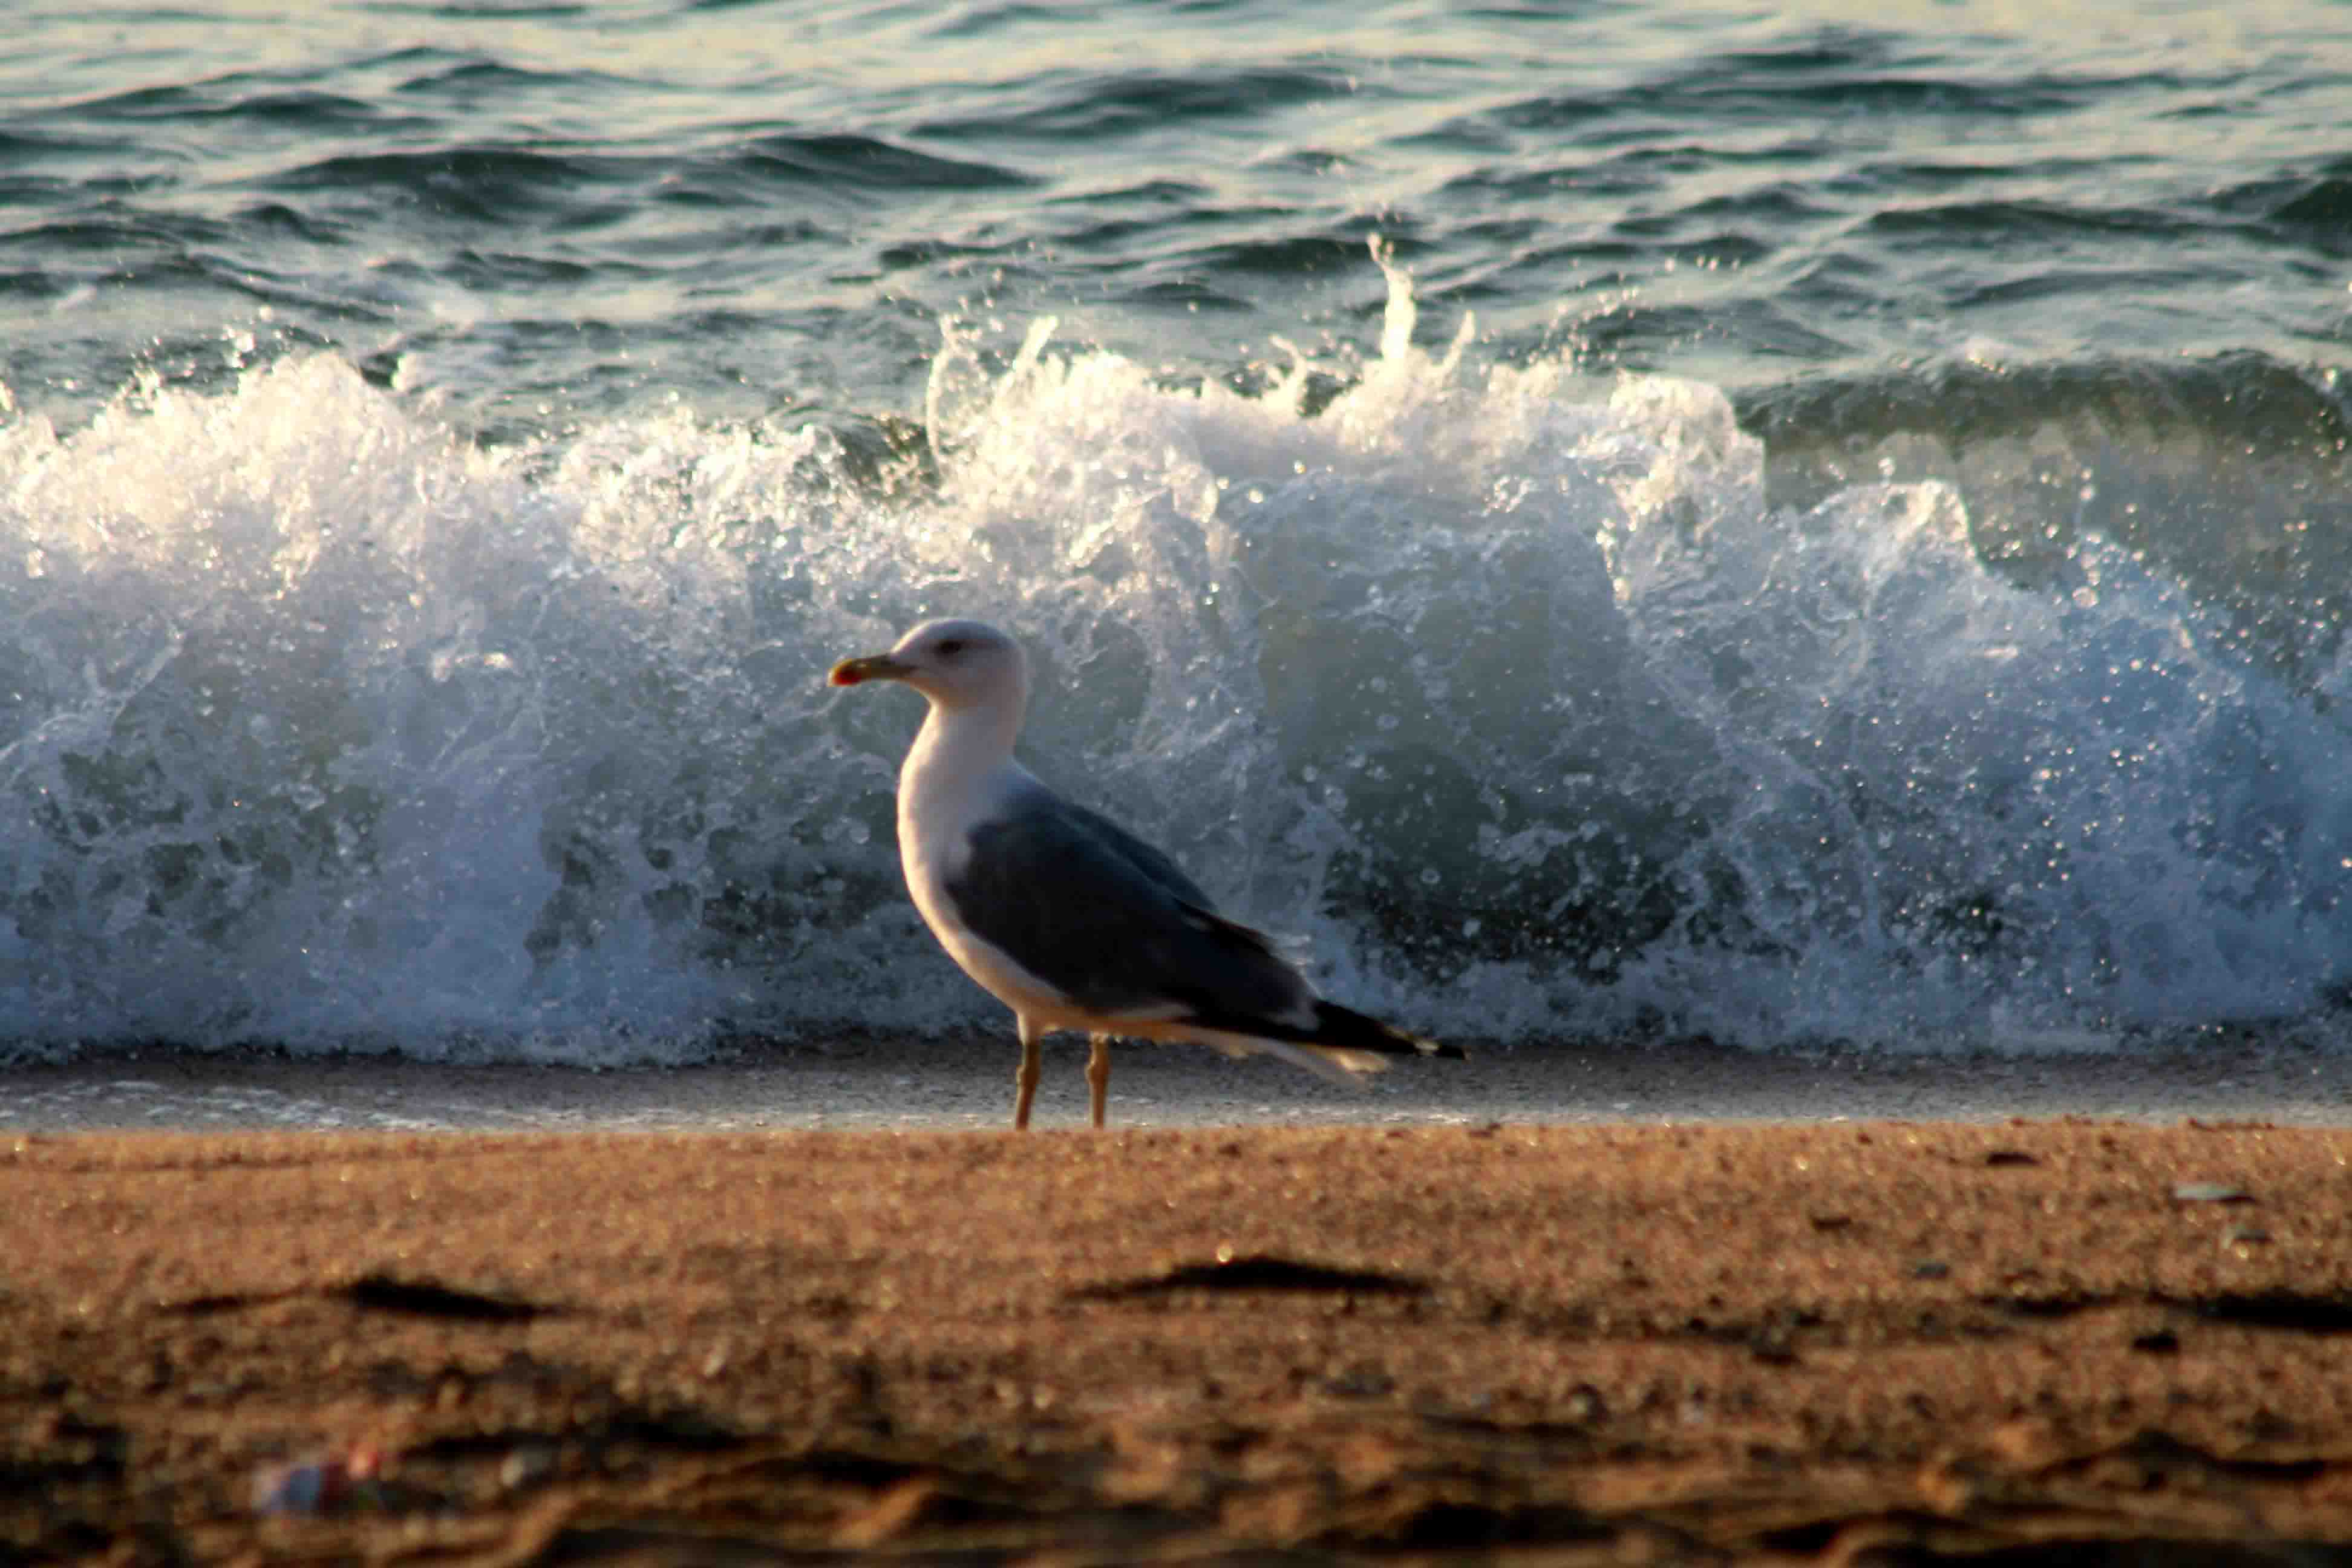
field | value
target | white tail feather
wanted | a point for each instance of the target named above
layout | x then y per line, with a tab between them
1336	1064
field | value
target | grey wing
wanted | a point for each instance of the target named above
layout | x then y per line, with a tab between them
1106	920
1146	858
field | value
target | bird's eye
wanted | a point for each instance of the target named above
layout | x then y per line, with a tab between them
950	647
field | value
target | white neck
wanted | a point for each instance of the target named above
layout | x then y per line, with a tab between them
965	744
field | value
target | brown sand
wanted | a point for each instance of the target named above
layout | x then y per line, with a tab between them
1559	1345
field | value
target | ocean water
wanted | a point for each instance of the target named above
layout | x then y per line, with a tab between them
1794	525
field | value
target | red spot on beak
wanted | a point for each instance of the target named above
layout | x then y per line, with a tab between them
873	666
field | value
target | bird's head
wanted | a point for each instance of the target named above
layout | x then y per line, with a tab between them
956	664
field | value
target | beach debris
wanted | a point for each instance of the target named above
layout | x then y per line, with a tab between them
2209	1193
2011	1157
527	1465
1928	1268
318	1485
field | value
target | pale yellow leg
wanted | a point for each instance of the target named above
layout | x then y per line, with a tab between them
1025	1078
1098	1074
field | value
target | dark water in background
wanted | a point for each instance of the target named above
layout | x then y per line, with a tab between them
1845	534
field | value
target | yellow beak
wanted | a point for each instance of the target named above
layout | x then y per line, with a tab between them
873	666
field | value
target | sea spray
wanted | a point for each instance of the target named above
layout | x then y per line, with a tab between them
1504	692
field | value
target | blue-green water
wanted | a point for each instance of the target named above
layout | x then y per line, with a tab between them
1831	524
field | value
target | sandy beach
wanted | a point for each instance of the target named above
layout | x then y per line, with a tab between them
1877	1340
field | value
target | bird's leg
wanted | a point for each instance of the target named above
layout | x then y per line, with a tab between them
1025	1080
1099	1073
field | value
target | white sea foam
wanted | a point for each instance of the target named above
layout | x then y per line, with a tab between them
1501	690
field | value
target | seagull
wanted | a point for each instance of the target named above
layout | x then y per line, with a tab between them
1065	916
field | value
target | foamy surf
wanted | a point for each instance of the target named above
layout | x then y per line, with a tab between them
1504	688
